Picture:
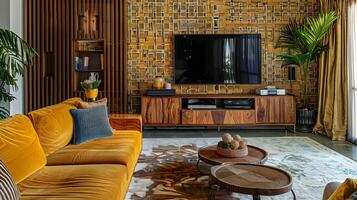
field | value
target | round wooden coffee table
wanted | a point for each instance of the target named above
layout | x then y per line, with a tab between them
252	179
255	156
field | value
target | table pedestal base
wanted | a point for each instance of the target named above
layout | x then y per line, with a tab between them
256	197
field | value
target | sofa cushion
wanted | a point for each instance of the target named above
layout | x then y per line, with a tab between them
73	101
123	147
76	182
91	123
54	126
20	149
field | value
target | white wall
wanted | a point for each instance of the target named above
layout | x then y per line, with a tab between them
5	24
4	13
16	25
11	17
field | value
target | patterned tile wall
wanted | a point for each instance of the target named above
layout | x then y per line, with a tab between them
152	24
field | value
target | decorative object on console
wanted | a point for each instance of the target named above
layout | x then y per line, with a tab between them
304	41
90	123
158	83
270	90
168	83
91	86
232	147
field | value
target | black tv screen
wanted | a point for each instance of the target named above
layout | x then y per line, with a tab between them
217	59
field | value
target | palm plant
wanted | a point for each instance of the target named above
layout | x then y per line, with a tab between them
15	55
304	41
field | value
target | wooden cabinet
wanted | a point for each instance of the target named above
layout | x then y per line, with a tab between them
218	117
161	110
275	109
173	110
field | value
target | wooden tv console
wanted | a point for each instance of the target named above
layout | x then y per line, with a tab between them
173	111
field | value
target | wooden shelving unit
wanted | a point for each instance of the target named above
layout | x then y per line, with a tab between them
94	51
60	31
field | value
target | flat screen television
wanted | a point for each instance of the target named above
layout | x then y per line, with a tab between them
217	59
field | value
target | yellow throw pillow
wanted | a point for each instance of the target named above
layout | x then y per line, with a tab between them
73	101
345	190
84	105
54	126
20	149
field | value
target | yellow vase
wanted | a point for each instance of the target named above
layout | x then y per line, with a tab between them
91	93
158	83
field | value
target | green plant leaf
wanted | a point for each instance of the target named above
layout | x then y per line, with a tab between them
15	55
4	113
316	29
304	41
90	85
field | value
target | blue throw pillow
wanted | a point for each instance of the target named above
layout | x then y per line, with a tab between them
91	123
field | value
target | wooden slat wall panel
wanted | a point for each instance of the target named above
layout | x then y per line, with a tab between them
51	27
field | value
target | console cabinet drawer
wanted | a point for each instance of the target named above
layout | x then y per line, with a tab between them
218	117
276	109
161	110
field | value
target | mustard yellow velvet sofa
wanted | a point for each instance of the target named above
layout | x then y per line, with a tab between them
38	152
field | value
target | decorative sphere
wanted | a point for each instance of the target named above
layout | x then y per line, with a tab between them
227	138
242	144
237	138
223	145
234	144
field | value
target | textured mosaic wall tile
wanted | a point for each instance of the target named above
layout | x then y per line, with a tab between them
152	24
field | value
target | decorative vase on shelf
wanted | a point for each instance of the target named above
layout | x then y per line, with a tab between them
158	83
93	76
91	86
91	94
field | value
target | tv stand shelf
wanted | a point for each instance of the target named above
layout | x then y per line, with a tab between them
173	111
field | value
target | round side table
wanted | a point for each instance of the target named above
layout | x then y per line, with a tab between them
252	179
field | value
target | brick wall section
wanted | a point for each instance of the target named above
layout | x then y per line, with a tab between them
152	24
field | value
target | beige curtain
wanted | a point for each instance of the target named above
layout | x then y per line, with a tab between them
352	70
332	103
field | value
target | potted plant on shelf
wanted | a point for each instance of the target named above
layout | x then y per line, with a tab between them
91	88
304	41
168	85
15	55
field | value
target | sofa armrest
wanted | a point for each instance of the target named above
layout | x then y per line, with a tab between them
126	122
330	188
